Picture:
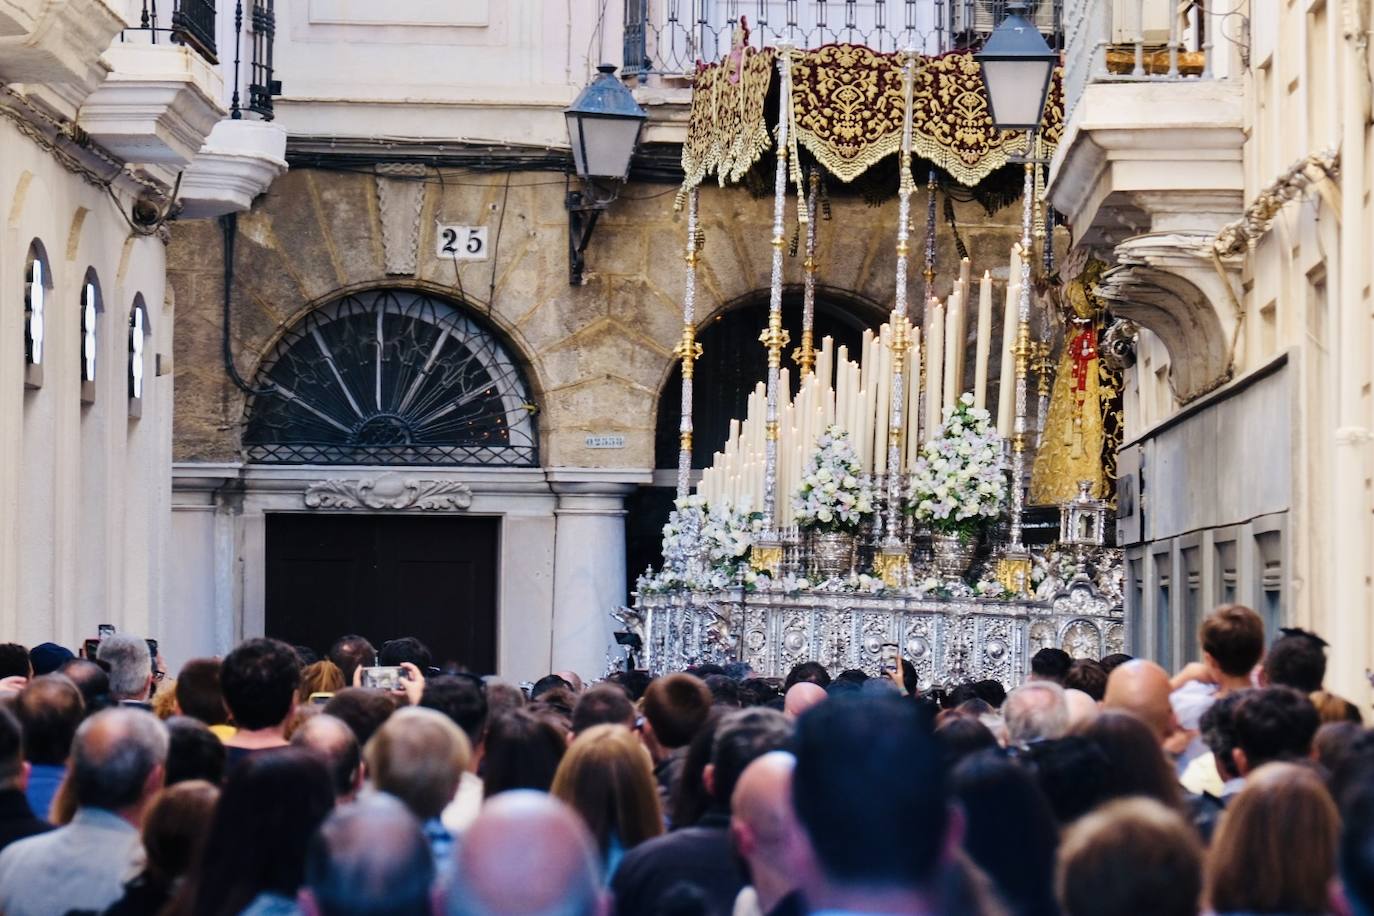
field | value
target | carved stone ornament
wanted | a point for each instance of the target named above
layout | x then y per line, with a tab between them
389	491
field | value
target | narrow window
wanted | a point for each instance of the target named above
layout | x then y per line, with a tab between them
138	336
37	283
90	312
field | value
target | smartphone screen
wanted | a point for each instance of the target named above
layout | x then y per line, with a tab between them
383	677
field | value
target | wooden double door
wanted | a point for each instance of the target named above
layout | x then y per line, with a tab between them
385	576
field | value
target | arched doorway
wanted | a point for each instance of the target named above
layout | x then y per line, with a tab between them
403	380
732	363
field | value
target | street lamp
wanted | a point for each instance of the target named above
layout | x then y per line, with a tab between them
1017	65
604	123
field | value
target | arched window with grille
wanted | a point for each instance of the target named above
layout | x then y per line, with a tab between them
390	377
91	307
37	290
139	332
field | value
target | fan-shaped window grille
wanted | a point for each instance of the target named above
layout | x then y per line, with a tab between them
390	377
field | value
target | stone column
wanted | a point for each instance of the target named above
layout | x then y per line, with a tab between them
589	563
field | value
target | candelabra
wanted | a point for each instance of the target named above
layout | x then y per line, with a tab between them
687	349
1043	367
805	355
1014	569
767	554
893	562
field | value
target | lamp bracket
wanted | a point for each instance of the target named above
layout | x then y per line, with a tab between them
584	208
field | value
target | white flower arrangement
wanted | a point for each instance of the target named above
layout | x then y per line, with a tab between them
834	494
958	484
705	547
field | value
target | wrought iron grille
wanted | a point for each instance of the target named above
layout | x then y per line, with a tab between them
192	23
261	86
670	36
390	377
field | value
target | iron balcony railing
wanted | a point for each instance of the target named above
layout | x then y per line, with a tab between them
669	37
255	25
184	22
1141	40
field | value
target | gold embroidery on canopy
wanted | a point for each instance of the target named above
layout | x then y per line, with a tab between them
847	112
848	104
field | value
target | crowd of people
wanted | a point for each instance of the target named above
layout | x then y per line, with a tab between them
272	781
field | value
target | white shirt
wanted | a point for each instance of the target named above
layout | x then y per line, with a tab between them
459	814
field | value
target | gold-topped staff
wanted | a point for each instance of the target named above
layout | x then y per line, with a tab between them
805	355
1043	367
893	562
687	349
1011	59
767	551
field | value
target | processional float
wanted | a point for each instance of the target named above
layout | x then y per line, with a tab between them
879	510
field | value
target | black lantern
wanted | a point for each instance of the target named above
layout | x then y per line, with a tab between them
1016	63
604	123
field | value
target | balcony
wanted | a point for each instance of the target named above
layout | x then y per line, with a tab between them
160	100
1153	127
246	151
666	38
52	48
1150	165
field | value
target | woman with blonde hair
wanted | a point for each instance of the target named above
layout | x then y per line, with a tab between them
321	677
1254	866
607	777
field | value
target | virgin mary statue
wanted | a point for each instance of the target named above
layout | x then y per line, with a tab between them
1082	426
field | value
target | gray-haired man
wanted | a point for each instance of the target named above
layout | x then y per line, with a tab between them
116	768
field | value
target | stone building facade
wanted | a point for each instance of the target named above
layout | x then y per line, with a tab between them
595	359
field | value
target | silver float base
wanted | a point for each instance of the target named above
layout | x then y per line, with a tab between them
948	640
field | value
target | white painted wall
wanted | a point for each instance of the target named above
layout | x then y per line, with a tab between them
474	70
84	490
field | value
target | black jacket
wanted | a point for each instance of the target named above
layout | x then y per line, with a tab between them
17	819
689	872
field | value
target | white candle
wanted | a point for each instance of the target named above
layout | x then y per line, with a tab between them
855	397
842	390
825	363
912	422
1006	388
935	364
880	422
863	437
965	271
869	385
954	348
983	343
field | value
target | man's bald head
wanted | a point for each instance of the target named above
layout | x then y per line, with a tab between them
1142	687
801	696
492	873
333	741
762	807
117	759
1082	708
369	857
765	829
